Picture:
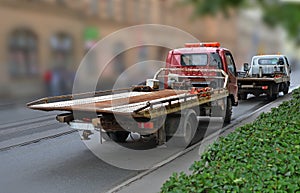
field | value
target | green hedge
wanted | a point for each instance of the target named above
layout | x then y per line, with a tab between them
259	157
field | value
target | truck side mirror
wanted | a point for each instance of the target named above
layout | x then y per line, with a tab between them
246	67
280	61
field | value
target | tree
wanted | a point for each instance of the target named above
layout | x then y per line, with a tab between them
283	13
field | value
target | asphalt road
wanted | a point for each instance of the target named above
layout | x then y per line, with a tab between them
64	164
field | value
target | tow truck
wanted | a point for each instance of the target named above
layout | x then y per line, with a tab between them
198	82
267	74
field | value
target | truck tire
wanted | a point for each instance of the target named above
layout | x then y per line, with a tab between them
286	88
243	96
118	136
186	126
105	136
189	128
228	111
272	97
273	93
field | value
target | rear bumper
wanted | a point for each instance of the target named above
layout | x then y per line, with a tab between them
254	89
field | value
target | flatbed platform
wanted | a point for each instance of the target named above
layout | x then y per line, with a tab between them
106	102
136	104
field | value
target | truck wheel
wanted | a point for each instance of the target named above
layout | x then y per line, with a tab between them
286	89
243	96
118	136
256	95
189	128
272	97
185	128
105	136
273	94
228	113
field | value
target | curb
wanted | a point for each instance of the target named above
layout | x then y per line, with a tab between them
224	131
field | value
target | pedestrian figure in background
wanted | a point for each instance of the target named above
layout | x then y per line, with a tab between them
55	82
47	77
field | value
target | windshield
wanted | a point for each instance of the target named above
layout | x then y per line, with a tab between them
268	61
194	59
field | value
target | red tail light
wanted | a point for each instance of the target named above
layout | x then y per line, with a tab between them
146	125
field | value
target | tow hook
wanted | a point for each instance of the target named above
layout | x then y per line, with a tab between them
85	135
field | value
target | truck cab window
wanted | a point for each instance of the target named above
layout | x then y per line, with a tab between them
215	60
194	59
230	63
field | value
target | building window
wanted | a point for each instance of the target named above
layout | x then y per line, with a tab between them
119	60
62	47
162	11
137	11
147	11
110	9
61	76
61	2
162	53
124	10
23	53
94	7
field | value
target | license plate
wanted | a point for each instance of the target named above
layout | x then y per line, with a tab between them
247	86
82	126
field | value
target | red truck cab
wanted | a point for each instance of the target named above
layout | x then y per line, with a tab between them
205	56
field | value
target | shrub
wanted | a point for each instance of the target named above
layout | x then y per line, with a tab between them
262	156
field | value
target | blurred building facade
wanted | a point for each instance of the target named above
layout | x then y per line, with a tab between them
43	41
